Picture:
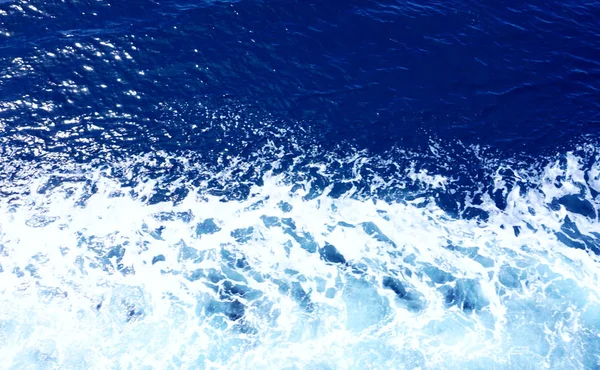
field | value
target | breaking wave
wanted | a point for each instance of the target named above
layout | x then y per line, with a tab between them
289	258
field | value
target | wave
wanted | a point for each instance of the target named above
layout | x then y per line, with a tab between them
289	257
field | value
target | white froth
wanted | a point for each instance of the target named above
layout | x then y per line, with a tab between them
70	298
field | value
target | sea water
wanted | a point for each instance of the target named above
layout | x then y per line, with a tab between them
299	185
98	272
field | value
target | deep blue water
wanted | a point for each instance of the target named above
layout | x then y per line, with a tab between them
465	134
516	77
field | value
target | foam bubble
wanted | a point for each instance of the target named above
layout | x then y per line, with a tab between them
135	265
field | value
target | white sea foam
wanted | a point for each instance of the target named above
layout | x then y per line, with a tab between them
95	276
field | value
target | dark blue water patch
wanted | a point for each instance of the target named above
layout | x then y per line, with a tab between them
517	230
229	294
207	227
194	275
574	203
114	257
158	258
242	235
394	285
318	184
373	230
18	272
329	253
296	292
340	189
155	233
573	238
32	270
229	289
594	193
475	213
168	195
413	300
234	260
233	310
171	216
305	240
466	294
376	74
134	313
270	221
285	206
